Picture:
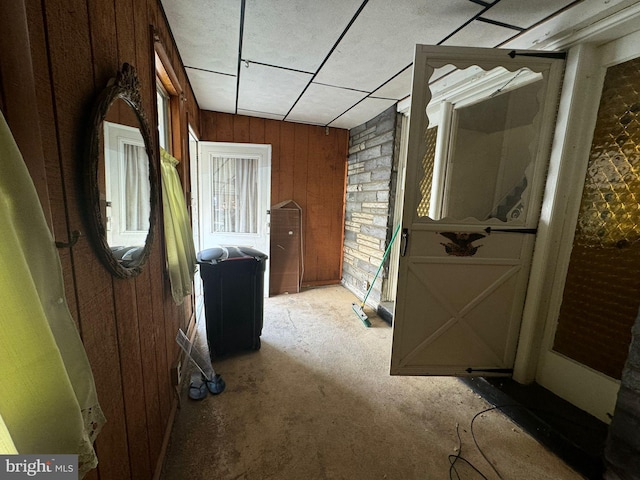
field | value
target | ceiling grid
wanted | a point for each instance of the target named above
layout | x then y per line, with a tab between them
335	63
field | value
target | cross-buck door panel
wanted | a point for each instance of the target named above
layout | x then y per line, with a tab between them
472	200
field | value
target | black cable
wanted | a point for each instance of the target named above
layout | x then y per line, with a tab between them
476	441
458	456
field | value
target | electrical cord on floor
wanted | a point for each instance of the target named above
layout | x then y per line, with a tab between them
458	456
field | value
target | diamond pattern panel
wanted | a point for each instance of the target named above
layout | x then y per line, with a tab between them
601	294
428	160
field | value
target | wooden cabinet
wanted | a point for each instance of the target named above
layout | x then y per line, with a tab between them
286	248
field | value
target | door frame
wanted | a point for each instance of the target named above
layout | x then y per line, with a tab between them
249	150
582	386
194	169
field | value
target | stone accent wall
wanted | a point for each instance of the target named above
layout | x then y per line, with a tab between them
622	452
369	204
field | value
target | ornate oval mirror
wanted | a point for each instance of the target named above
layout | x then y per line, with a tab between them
121	178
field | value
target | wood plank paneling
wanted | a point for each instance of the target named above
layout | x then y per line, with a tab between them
307	166
285	179
67	27
128	326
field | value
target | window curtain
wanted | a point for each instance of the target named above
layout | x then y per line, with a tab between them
235	195
48	402
181	255
137	188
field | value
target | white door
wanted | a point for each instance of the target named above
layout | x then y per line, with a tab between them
235	193
471	206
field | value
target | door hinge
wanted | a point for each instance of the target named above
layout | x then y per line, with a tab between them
531	231
558	55
489	370
404	242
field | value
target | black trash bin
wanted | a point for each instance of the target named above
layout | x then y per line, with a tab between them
233	281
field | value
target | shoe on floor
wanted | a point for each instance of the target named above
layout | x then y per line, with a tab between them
197	387
216	385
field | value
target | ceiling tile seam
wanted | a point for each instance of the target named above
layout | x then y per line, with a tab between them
260	111
396	75
240	38
543	20
481	3
546	19
370	94
500	24
477	15
210	71
247	61
343	88
383	98
350	108
335	45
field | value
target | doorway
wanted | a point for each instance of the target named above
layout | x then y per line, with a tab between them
234	188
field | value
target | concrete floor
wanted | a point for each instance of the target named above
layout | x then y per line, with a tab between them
317	402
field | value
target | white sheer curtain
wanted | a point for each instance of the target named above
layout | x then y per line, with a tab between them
136	188
234	195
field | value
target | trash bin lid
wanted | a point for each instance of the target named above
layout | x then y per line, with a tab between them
211	255
251	252
220	254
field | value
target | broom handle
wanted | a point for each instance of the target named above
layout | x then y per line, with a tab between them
384	257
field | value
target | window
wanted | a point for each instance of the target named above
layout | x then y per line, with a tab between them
164	118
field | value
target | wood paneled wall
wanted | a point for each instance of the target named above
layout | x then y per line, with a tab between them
56	56
308	165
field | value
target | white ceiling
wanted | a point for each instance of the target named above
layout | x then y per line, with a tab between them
328	62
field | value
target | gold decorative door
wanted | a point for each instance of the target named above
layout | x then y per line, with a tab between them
602	290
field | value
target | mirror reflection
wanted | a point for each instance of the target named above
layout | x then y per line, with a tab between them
121	180
127	205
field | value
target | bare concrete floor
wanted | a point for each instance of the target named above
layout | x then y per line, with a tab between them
317	402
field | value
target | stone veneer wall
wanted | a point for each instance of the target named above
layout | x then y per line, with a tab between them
622	452
369	203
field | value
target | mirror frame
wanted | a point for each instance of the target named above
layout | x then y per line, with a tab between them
124	86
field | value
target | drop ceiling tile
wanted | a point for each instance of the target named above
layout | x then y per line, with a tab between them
270	90
213	91
382	40
481	34
397	88
524	13
296	34
320	104
207	37
363	112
